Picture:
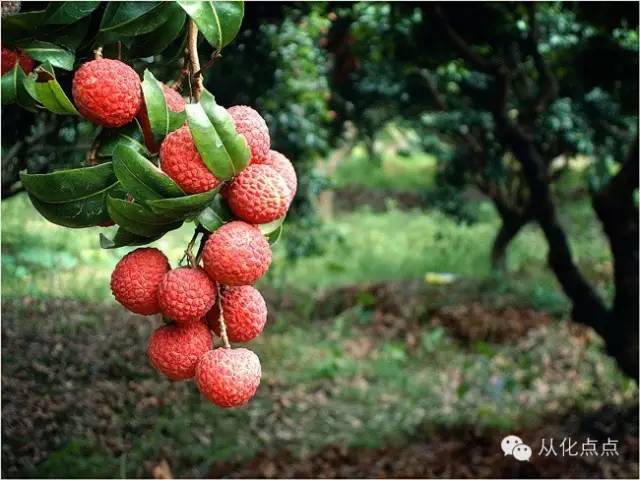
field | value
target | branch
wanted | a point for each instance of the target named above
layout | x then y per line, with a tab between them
195	76
477	61
549	83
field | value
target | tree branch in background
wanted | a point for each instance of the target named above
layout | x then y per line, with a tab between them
549	83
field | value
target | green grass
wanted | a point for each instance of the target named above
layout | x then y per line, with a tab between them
413	171
43	260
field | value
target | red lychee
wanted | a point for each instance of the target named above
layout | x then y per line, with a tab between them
135	280
174	349
284	167
252	126
186	294
245	313
236	254
175	102
11	57
180	159
107	92
228	377
258	194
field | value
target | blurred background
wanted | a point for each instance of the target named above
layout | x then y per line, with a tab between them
461	262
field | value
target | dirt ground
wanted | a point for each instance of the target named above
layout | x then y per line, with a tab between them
443	453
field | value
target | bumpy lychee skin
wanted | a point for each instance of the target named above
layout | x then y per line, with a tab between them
107	92
228	377
174	350
186	294
175	102
258	194
284	167
252	126
11	57
245	313
180	159
236	254
136	278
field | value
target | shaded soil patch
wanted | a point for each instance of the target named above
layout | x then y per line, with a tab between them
463	454
399	309
349	198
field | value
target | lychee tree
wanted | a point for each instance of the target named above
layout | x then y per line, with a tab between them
164	153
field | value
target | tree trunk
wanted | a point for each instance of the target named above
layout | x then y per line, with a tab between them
618	214
509	228
618	326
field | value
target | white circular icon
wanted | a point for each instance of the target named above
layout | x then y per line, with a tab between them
522	452
509	443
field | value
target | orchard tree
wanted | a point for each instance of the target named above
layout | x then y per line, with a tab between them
108	80
503	95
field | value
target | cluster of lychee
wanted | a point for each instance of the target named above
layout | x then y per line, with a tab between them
11	57
218	296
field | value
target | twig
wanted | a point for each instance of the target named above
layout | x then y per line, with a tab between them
223	327
195	76
92	154
214	56
203	241
188	253
97	53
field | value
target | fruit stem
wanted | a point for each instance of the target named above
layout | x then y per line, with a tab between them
188	253
203	240
97	53
194	62
223	326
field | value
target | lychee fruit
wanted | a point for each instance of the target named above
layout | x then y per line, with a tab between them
186	294
252	126
174	350
136	278
228	377
175	102
11	57
10	8
180	159
236	254
107	92
284	167
258	194
245	313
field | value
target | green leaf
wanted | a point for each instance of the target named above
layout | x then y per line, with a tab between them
234	143
129	135
71	36
268	228
155	42
49	93
182	207
72	184
138	219
89	211
135	18
161	119
13	88
219	21
124	238
21	26
274	236
141	178
48	52
223	151
63	13
214	215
